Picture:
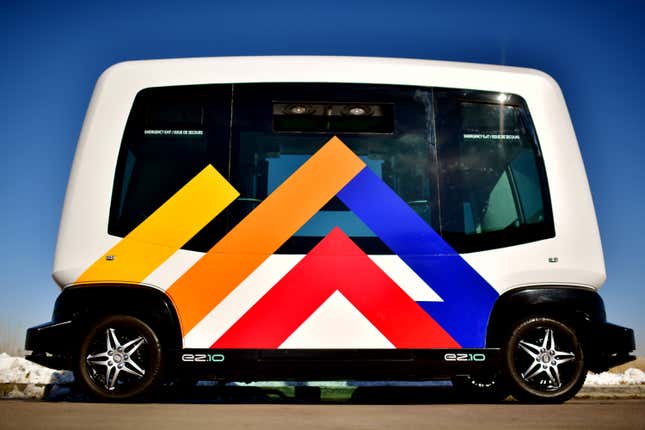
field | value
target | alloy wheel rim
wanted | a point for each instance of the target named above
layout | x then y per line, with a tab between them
545	359
117	363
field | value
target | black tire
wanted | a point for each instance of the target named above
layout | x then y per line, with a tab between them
543	361
133	354
481	388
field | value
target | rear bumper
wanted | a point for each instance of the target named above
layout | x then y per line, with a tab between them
51	344
612	346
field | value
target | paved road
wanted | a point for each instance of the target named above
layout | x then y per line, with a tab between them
576	414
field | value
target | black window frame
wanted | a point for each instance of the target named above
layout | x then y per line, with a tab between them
525	233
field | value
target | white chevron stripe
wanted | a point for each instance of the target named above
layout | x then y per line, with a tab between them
170	270
337	324
406	278
240	300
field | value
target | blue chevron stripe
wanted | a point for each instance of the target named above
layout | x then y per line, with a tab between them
467	298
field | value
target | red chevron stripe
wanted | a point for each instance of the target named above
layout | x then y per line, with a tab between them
336	263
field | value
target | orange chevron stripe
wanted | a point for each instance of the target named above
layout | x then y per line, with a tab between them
263	231
165	231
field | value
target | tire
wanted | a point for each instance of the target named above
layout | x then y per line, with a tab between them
120	358
543	361
480	388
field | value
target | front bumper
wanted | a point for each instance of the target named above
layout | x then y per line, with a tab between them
612	346
51	344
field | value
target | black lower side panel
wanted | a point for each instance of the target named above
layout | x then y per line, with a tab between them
311	364
50	344
612	346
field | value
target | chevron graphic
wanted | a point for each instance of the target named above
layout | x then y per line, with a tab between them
336	266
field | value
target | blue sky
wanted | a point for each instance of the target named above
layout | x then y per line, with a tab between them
55	51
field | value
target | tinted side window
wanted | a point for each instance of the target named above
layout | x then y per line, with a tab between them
492	190
171	135
277	127
493	187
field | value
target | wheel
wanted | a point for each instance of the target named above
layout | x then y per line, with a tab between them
544	361
119	358
481	388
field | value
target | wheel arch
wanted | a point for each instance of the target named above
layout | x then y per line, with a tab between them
84	304
582	308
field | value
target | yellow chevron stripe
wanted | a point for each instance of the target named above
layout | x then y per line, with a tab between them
165	231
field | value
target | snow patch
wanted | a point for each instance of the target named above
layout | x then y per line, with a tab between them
630	377
26	391
18	370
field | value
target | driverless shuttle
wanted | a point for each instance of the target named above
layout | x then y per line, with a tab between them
329	218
